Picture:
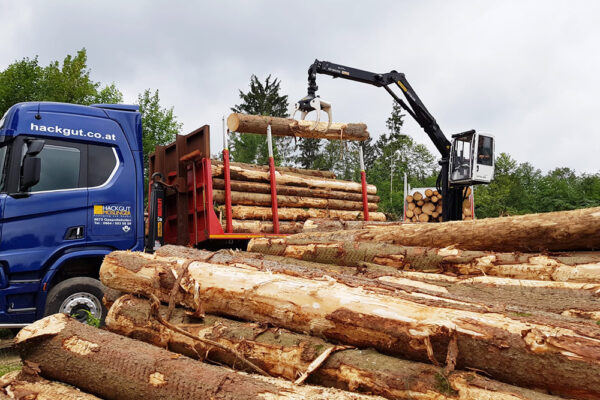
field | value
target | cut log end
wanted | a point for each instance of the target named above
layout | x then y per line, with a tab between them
48	326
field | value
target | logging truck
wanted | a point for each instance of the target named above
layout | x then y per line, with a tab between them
72	191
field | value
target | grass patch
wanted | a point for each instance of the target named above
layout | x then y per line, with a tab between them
9	367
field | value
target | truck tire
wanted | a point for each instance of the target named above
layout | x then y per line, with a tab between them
74	296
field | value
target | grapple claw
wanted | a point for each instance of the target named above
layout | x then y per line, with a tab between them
308	104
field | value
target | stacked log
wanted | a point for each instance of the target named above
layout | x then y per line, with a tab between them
286	354
427	206
112	366
301	194
422	322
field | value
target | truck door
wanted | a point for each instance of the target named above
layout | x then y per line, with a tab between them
50	217
112	196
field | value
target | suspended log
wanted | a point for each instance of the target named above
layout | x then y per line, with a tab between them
21	385
244	123
566	358
288	178
566	267
312	172
285	354
257	187
556	231
484	293
327	225
253	226
116	367
263	199
300	214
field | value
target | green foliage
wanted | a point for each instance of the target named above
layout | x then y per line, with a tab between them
5	368
26	80
393	155
90	319
443	384
519	188
159	124
261	99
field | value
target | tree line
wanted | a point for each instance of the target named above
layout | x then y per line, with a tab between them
518	188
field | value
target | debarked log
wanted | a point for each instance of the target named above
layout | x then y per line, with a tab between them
351	251
286	354
566	359
300	214
257	187
263	199
291	179
555	231
116	367
301	171
482	294
257	124
328	225
254	226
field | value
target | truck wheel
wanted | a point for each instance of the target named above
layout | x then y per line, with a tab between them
75	296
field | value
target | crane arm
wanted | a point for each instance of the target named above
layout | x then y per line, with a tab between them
415	106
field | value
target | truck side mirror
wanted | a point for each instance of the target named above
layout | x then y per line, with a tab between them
30	173
32	165
34	147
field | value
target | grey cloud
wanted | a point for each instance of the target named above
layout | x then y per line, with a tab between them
525	71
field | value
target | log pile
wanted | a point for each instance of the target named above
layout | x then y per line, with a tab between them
427	206
393	336
375	316
301	194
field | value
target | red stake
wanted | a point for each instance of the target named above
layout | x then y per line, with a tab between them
228	217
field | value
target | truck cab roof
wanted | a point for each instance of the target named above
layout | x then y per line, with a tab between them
18	118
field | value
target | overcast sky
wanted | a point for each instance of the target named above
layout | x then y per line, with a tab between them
526	71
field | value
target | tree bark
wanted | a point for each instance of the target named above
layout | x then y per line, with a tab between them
285	354
253	226
263	199
20	385
566	358
311	172
257	187
116	367
566	267
300	214
244	123
288	178
556	231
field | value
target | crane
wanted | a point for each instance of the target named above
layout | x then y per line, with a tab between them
466	160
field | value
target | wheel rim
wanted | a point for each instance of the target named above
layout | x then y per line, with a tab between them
76	304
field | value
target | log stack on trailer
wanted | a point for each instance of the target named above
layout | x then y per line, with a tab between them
210	199
400	311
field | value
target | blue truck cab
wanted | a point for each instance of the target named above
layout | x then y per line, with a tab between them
71	191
